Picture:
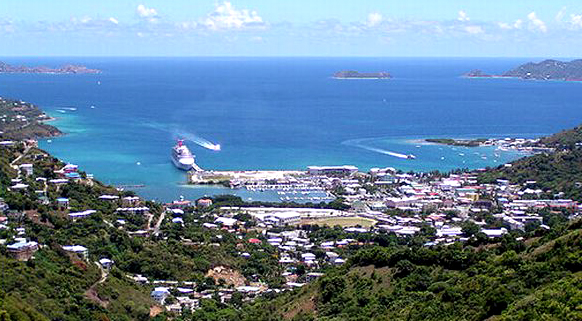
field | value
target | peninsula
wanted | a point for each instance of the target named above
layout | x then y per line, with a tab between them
532	146
545	70
66	69
457	142
352	74
21	120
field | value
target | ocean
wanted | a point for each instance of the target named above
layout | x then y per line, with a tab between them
283	113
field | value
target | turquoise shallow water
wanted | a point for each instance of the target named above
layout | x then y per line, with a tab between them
283	113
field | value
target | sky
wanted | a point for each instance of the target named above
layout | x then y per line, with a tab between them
378	28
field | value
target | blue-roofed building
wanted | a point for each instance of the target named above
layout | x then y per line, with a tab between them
63	203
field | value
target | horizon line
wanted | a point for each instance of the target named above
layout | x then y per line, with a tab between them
282	56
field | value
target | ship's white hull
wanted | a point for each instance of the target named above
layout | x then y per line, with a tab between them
183	164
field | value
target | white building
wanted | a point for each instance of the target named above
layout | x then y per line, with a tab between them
78	249
327	170
27	169
160	294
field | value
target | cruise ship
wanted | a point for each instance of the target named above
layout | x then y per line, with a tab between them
182	157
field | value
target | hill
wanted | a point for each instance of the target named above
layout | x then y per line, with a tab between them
509	281
555	172
567	139
545	70
56	284
548	70
20	120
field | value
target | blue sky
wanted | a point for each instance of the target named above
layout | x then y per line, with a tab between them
472	28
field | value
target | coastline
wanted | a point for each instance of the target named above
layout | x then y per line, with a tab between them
520	78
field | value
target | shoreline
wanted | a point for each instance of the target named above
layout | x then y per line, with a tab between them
520	78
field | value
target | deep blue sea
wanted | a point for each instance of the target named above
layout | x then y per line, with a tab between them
283	113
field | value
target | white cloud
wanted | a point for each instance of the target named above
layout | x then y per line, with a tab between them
226	16
84	19
149	14
187	25
576	20
518	24
474	30
560	14
504	25
374	19
536	23
6	26
113	21
463	16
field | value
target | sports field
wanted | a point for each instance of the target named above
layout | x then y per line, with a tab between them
341	221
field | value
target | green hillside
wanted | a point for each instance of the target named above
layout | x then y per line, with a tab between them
509	281
554	173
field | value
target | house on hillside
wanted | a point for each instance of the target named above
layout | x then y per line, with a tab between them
82	251
160	294
62	203
22	250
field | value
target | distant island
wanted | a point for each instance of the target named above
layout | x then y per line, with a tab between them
66	69
545	70
351	74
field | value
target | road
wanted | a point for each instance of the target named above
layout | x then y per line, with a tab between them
159	222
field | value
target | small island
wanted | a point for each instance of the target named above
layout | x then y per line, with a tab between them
545	70
351	74
20	120
66	69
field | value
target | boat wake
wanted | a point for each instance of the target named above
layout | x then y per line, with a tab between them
180	133
199	141
358	143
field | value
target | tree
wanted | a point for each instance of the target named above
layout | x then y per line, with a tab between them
237	299
470	228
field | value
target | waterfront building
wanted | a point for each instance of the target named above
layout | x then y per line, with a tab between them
332	170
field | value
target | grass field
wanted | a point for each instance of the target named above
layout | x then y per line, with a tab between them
341	221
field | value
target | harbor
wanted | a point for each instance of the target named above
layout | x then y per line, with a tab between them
290	186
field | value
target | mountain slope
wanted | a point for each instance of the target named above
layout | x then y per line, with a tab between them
450	283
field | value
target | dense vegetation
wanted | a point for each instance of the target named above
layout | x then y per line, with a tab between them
558	174
567	139
31	126
510	280
555	173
